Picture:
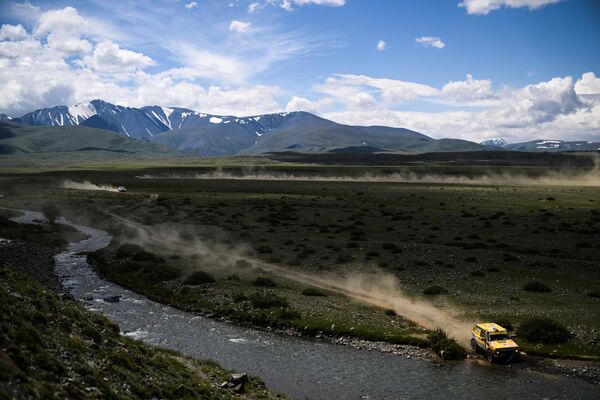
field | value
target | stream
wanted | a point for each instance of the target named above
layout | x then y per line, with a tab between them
299	368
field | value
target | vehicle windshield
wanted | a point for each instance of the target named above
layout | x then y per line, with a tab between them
499	336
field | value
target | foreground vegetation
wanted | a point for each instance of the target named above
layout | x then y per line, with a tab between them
51	347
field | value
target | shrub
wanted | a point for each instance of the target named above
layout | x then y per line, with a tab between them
390	312
444	346
536	286
311	291
267	300
262	281
434	290
594	293
92	333
199	278
543	330
477	273
128	250
239	297
155	273
264	250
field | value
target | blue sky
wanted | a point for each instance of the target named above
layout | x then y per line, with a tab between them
473	69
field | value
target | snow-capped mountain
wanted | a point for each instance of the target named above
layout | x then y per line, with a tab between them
497	142
554	146
145	122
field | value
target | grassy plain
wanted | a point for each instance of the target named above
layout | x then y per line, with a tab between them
482	242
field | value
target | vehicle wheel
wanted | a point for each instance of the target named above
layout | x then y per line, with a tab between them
490	355
474	346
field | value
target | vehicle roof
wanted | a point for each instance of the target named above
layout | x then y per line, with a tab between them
491	327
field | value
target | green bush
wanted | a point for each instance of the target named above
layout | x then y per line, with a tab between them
199	278
156	273
264	250
311	291
594	293
543	330
128	250
261	281
444	346
536	286
434	290
267	300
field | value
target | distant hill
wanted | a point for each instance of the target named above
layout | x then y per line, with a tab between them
300	132
58	145
553	146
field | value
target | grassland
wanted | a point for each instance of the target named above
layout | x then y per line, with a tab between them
481	244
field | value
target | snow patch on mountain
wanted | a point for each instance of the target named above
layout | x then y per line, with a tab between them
496	142
81	112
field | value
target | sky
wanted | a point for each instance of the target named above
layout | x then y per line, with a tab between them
470	69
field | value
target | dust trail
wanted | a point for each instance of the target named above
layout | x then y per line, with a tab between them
87	185
380	289
552	178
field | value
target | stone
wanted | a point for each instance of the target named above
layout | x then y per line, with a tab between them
239	378
113	299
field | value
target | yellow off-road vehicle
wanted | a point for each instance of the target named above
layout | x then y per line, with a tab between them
494	341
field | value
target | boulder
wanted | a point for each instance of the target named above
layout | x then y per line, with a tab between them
113	299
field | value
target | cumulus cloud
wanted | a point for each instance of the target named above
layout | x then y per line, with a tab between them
588	84
430	41
62	22
190	5
484	7
556	108
297	103
381	45
469	90
240	26
13	32
109	57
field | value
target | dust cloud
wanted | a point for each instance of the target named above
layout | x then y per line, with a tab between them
87	185
380	289
563	177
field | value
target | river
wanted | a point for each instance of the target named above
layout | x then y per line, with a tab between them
297	367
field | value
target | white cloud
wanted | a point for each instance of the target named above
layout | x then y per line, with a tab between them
430	41
297	103
191	4
109	57
287	4
381	45
390	91
63	22
549	109
240	26
588	84
484	7
13	32
253	7
469	90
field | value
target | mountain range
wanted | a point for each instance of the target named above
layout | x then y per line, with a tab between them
543	145
192	132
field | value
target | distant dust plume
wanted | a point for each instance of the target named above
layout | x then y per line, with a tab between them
87	185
